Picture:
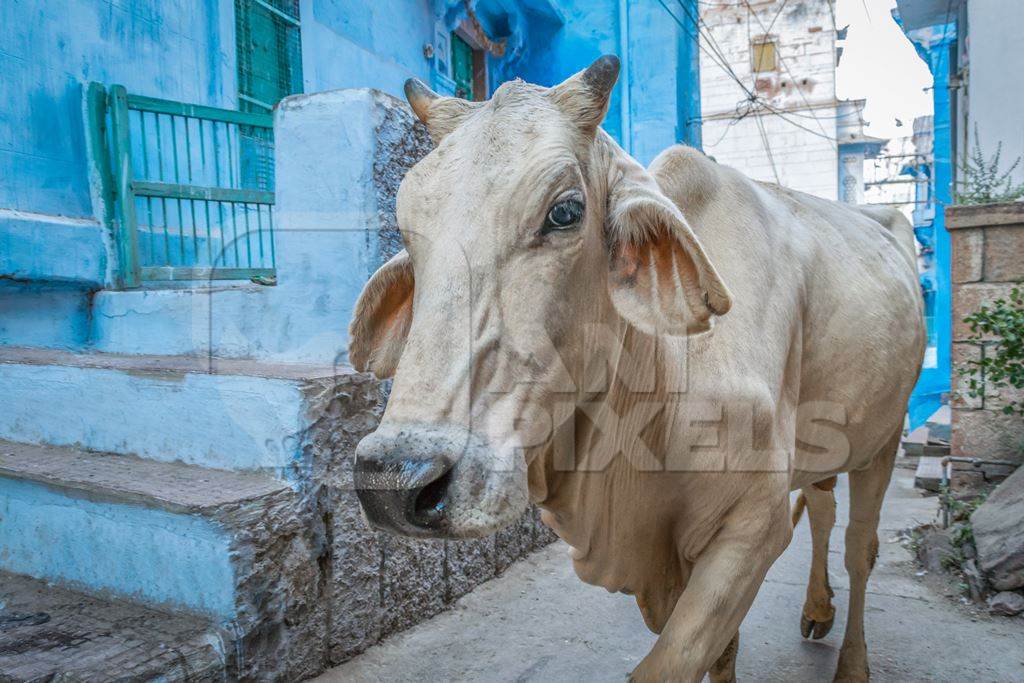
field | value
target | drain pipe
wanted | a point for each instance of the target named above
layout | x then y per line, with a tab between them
624	119
947	474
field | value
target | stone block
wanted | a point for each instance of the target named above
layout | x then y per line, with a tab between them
38	248
412	581
543	534
469	563
1004	253
968	298
353	580
984	215
1006	604
513	542
967	255
936	550
987	434
999	534
962	354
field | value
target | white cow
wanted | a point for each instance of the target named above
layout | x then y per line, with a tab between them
656	357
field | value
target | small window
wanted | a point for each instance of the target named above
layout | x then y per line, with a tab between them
763	56
469	70
269	52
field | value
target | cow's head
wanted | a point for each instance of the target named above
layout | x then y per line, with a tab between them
526	225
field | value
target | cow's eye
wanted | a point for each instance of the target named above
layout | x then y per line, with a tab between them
563	215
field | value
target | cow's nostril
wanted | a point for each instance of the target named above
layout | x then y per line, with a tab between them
430	501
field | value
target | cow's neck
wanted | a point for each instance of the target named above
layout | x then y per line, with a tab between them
594	493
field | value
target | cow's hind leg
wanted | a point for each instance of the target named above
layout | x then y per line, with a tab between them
724	669
867	489
818	613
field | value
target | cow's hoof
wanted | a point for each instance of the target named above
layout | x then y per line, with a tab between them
815	629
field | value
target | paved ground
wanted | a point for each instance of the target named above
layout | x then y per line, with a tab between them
539	623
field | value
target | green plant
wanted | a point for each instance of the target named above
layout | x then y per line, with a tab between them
983	182
962	532
1002	361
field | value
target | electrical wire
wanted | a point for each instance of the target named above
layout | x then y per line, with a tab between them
768	148
792	78
755	104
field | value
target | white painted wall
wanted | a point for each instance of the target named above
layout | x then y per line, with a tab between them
803	148
995	98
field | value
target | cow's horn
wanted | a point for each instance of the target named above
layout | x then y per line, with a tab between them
439	114
584	96
420	98
602	74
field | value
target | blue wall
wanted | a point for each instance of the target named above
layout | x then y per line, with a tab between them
186	51
933	45
56	253
50	50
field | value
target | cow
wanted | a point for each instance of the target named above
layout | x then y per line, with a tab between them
655	357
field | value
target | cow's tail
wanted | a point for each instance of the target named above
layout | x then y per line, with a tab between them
798	508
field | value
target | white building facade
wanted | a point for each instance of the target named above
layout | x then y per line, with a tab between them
768	91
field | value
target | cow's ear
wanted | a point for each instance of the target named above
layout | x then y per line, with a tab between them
382	317
584	96
441	115
660	278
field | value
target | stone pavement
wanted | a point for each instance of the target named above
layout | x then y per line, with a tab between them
538	622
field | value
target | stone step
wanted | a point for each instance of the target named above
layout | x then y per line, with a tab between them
226	414
226	319
52	633
165	534
928	476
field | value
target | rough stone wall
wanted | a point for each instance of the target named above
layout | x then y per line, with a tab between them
987	262
371	584
401	141
796	153
315	585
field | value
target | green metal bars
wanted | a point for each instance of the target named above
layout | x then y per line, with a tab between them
192	188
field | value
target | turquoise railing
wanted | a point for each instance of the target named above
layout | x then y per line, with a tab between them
190	188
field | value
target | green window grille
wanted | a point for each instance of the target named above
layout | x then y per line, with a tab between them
176	197
269	52
462	67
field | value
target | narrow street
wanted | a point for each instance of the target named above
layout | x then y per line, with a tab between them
539	623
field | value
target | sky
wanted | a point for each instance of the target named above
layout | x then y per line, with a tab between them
880	65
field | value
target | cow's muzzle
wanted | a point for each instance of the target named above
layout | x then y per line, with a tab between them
441	482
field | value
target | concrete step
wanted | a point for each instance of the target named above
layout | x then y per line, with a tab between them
226	414
296	321
170	535
51	633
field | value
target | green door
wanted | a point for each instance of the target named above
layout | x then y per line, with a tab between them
462	67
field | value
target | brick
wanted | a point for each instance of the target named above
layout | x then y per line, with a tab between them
987	434
967	255
1004	253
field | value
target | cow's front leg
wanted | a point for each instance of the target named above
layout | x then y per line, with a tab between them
724	668
724	581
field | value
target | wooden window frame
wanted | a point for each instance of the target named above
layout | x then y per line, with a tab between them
757	56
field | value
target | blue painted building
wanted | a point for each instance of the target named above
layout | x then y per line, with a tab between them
57	220
179	258
932	26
